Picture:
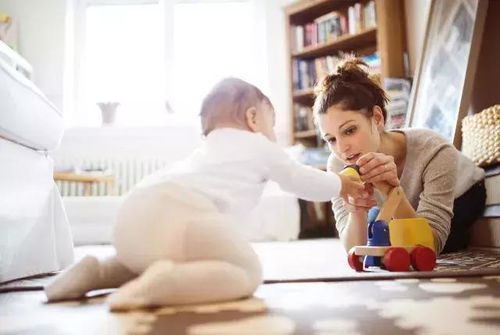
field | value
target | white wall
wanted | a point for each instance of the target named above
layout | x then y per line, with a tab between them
41	41
279	76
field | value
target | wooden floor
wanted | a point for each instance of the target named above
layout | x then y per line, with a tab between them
450	304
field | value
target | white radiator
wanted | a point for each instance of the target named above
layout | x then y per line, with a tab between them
126	172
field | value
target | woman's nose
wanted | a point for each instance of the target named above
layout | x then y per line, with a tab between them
342	146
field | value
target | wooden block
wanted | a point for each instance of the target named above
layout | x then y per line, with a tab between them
365	250
391	204
370	251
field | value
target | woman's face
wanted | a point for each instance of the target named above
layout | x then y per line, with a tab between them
351	134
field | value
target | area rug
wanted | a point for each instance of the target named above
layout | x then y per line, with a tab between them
430	306
325	260
317	260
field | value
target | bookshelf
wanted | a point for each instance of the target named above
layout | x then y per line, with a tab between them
350	42
320	30
317	33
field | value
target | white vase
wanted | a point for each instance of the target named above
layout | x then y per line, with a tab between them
108	112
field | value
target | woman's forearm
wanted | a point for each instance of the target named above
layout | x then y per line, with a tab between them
355	232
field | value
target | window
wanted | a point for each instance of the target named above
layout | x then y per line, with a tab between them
159	59
123	61
212	40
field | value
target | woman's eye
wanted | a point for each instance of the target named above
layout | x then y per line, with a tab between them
350	131
331	140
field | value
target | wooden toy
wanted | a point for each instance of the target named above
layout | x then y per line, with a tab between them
393	244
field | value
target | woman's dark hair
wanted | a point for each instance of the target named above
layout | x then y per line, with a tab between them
351	87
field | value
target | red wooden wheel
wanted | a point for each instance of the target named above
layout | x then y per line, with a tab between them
423	259
397	259
355	261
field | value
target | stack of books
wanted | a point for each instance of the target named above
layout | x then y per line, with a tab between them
303	117
486	231
307	73
398	90
329	27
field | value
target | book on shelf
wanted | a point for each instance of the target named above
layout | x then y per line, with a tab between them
486	230
398	91
373	62
308	72
329	27
351	20
303	118
492	184
369	15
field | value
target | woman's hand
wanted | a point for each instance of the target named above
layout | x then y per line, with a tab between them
360	203
377	167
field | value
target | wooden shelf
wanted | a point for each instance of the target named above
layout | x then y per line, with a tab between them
301	94
345	42
305	134
83	177
300	12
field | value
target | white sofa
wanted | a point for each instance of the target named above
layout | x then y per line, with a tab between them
131	154
34	233
276	218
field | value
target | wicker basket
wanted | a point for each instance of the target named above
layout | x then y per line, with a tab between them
481	136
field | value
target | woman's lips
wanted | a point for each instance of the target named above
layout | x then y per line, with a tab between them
353	159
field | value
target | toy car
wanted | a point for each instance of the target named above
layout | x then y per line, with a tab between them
393	244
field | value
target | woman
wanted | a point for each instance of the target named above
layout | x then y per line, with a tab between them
440	183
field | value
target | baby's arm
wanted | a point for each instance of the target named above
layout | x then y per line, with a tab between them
306	182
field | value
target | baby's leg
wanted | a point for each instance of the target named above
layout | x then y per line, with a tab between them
166	283
87	275
218	265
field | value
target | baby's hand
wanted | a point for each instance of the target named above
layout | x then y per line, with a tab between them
352	187
360	204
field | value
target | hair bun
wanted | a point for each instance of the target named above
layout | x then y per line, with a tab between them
352	68
325	84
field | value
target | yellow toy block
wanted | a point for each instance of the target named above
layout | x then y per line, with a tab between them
414	231
352	172
4	18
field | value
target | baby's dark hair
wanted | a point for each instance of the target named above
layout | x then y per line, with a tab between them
351	87
227	103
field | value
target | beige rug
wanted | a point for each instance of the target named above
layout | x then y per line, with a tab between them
316	260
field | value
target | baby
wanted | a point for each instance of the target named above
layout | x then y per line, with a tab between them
174	236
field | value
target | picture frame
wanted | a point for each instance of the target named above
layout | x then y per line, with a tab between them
445	74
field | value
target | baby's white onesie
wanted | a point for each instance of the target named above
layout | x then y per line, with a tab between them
175	229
